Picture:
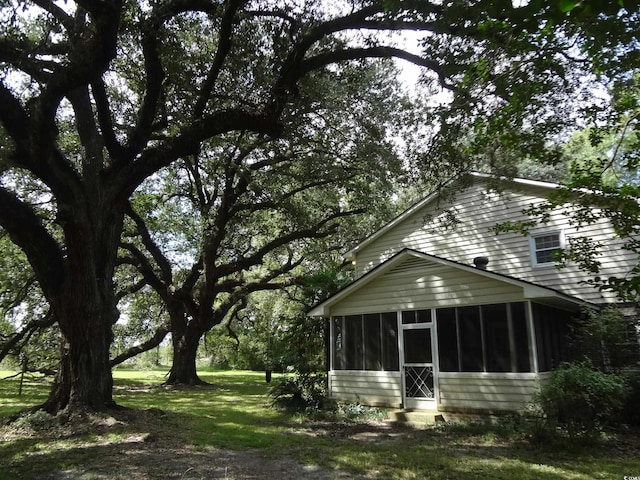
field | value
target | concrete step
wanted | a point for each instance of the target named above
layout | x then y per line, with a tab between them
415	418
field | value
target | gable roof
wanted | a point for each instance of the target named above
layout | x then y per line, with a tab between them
531	290
432	197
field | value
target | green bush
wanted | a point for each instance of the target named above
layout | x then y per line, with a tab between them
631	408
581	400
300	392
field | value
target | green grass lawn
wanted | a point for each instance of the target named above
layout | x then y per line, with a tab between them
235	414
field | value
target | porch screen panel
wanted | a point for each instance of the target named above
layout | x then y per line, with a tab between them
389	335
496	334
354	348
365	342
372	342
485	338
447	340
551	327
520	337
470	334
416	316
417	346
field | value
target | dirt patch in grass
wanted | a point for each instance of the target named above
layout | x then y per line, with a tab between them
363	432
133	445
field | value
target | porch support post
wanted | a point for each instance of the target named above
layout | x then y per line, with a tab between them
331	348
401	358
533	350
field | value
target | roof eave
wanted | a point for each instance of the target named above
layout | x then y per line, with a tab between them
530	291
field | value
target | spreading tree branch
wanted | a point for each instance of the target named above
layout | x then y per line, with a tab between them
13	344
152	342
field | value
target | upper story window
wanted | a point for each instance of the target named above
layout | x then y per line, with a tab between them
544	246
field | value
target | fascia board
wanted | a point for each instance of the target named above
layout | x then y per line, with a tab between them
323	308
530	291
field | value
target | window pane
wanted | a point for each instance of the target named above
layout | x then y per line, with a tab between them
545	256
417	346
496	336
372	352
470	339
548	241
389	330
447	339
546	246
338	344
408	317
423	316
520	336
353	345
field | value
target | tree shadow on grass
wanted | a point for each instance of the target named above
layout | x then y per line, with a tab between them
228	430
392	451
148	444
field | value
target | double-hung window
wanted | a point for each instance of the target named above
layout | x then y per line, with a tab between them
544	246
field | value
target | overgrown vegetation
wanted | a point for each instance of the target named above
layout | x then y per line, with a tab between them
300	392
607	339
183	433
581	400
600	389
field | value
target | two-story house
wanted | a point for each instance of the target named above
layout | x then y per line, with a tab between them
445	314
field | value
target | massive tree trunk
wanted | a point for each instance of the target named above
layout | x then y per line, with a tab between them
77	281
85	307
84	380
185	351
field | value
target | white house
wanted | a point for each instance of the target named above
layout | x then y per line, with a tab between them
444	314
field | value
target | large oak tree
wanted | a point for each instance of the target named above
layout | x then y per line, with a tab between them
250	213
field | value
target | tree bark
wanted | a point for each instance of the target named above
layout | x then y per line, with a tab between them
185	350
84	380
86	306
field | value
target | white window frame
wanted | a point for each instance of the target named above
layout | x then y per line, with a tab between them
532	247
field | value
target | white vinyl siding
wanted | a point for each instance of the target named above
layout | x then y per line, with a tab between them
369	388
486	391
456	391
477	211
422	284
